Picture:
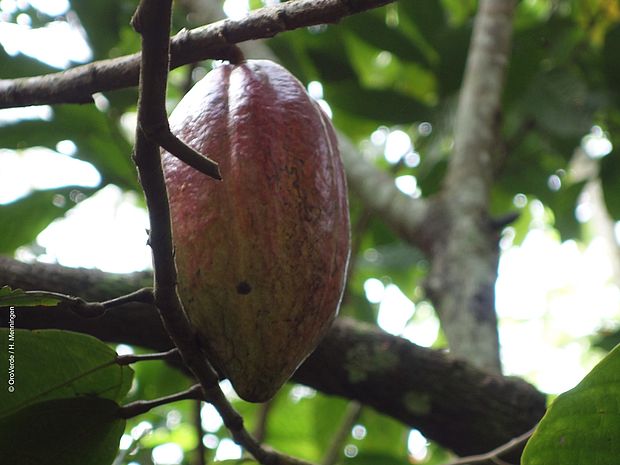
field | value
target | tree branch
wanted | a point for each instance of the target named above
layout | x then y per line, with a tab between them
212	41
152	20
140	407
471	411
463	272
493	457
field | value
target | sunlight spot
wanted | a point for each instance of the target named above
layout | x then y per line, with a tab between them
101	102
210	419
228	390
425	128
395	310
383	59
40	169
210	441
236	9
326	108
583	211
374	290
358	432
417	445
66	147
167	454
300	392
124	349
8	6
57	43
423	330
315	90
379	136
397	145
412	159
519	200
34	112
23	19
173	419
350	450
227	450
596	144
125	442
554	182
50	7
105	231
406	184
141	429
372	255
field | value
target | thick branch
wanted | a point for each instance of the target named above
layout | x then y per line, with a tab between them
464	262
463	408
78	84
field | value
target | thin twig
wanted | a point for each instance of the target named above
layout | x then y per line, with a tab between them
77	85
152	19
154	123
144	296
132	358
140	407
351	415
494	455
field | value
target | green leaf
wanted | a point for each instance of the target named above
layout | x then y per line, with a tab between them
54	364
610	173
383	37
102	19
427	15
80	431
452	46
22	220
581	426
288	427
611	64
19	298
21	66
559	102
384	105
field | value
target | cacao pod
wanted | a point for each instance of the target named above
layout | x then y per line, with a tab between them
261	255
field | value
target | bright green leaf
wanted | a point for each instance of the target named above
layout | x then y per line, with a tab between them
581	426
19	298
53	364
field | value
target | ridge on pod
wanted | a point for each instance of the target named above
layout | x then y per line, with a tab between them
261	255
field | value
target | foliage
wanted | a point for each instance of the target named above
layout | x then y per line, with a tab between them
65	405
395	68
582	422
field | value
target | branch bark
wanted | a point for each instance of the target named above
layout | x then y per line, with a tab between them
465	252
464	408
212	41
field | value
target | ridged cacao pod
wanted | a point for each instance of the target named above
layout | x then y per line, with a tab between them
261	255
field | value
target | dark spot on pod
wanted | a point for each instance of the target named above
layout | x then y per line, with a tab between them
244	288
